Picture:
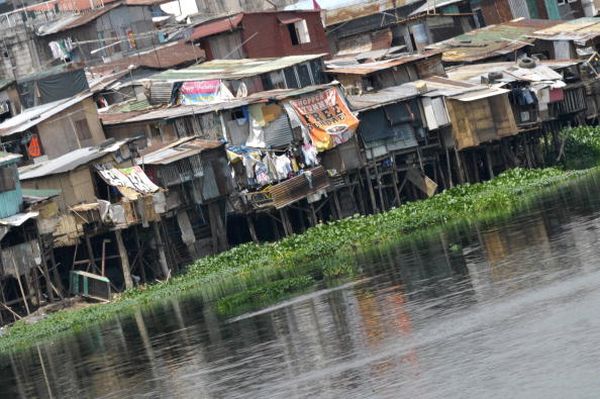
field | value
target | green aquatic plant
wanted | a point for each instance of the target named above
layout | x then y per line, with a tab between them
581	147
323	253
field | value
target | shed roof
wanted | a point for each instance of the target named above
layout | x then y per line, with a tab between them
169	55
233	69
178	111
382	97
179	150
580	30
33	116
349	12
342	67
491	41
216	26
67	22
7	157
432	6
69	161
511	72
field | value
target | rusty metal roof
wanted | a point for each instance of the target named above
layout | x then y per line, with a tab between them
67	22
233	69
346	13
344	68
580	30
179	150
491	41
214	27
544	71
171	112
167	56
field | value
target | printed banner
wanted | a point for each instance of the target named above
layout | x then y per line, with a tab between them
200	92
327	118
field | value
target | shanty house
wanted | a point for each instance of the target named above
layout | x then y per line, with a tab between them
501	42
196	174
261	34
414	24
579	38
498	11
360	78
245	76
53	129
90	36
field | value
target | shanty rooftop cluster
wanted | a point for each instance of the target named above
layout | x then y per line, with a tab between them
134	141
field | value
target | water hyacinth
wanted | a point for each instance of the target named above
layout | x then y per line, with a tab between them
262	273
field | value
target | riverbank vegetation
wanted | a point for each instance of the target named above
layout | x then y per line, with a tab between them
260	272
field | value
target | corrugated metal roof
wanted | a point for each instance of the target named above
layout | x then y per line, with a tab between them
580	30
68	162
36	195
178	150
166	113
491	41
233	69
7	157
162	57
433	5
67	22
4	83
217	26
354	11
382	97
367	68
32	116
544	71
480	94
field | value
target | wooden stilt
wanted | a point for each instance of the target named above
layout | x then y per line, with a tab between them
371	191
217	227
461	172
379	188
336	203
160	246
90	251
124	260
140	254
313	214
252	228
475	163
488	162
44	269
395	181
17	273
449	168
55	274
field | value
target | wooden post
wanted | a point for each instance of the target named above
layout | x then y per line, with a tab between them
371	191
90	251
488	161
475	163
217	227
336	203
449	166
45	271
461	172
379	187
140	254
287	228
162	257
56	274
252	228
17	273
124	260
395	181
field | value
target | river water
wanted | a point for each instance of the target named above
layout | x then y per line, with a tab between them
508	310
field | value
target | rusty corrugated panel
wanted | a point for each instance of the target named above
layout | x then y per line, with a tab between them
580	30
214	27
366	42
342	14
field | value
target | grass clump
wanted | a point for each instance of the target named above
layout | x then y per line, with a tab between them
581	147
259	273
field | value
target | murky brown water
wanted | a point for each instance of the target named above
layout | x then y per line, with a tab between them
504	311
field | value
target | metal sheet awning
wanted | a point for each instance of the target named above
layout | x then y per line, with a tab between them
18	219
479	95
